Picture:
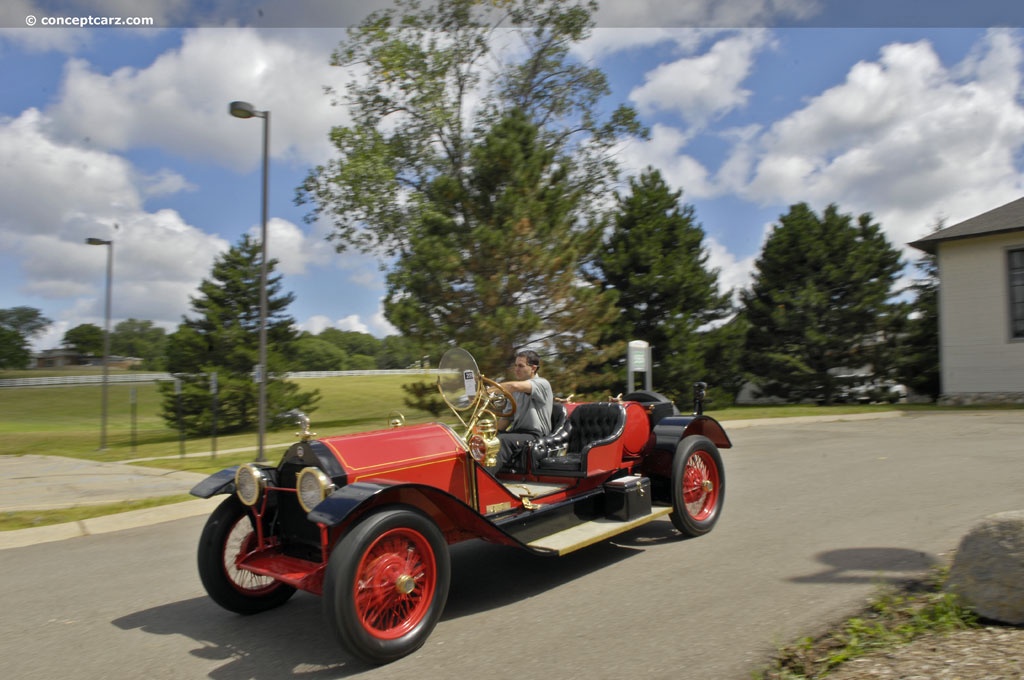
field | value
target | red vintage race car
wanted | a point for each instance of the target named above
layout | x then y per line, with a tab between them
365	520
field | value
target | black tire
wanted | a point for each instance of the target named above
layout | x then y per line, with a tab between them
698	486
386	584
227	533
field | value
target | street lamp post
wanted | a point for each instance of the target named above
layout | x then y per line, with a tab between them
247	110
106	335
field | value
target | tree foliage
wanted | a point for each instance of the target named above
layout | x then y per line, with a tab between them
427	172
86	338
820	300
495	263
141	339
656	261
223	338
18	325
917	363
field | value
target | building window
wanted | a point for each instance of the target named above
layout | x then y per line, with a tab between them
1017	294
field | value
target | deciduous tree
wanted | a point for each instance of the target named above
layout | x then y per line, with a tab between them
425	174
86	338
142	339
18	325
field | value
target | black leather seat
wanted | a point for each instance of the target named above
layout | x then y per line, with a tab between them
589	425
555	443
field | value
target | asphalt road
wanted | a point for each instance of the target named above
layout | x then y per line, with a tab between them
816	515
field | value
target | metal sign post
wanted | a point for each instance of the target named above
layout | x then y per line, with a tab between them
638	360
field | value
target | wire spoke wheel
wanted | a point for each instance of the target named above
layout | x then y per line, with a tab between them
396	582
386	584
698	486
240	542
227	538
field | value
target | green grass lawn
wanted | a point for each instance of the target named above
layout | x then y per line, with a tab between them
65	420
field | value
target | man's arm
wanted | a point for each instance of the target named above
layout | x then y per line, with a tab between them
518	386
524	386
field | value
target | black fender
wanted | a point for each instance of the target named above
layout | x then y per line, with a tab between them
456	520
670	431
218	482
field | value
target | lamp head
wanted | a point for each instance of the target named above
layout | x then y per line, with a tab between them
243	110
97	242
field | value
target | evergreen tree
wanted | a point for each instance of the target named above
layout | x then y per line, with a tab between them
656	262
223	338
494	262
917	362
819	301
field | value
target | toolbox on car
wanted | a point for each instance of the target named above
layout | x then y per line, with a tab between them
627	497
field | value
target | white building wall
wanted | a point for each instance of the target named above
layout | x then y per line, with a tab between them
977	355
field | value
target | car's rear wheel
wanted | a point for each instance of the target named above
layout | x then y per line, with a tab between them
698	486
228	536
386	584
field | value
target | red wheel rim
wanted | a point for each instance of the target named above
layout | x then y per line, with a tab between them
395	583
239	543
701	485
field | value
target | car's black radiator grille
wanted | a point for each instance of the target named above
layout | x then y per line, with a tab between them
299	537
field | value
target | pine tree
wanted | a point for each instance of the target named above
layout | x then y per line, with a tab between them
494	267
917	363
820	300
223	338
656	262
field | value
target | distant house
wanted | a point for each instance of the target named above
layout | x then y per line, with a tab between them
56	358
981	306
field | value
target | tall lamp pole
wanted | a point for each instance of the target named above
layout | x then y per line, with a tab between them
106	334
247	110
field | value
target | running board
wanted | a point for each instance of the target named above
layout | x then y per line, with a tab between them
594	531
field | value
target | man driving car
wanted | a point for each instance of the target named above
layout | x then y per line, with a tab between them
532	419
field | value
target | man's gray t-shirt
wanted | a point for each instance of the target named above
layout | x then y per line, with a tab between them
533	410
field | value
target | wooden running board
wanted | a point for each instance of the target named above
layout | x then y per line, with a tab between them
594	531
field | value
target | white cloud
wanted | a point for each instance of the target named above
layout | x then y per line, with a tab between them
903	137
291	247
704	87
316	324
56	195
665	151
377	325
352	322
180	101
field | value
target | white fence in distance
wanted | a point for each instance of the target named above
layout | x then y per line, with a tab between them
156	377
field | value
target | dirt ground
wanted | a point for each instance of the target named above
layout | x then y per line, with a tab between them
986	653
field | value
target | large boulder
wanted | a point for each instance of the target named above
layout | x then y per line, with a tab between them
988	568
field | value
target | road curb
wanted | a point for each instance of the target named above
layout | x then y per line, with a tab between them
20	538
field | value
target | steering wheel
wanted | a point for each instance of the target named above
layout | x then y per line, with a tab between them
499	399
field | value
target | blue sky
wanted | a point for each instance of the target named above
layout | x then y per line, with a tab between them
909	110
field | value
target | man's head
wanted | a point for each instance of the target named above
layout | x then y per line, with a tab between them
526	365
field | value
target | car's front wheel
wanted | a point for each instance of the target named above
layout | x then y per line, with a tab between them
698	486
386	584
227	536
